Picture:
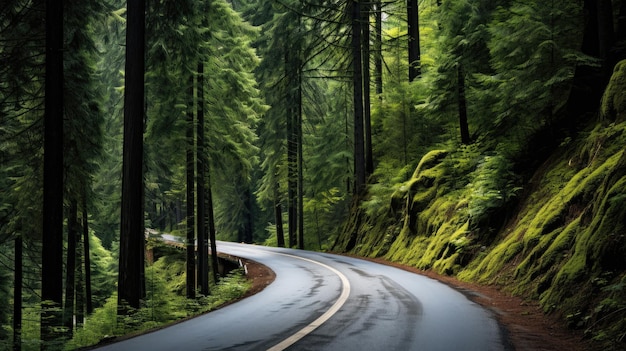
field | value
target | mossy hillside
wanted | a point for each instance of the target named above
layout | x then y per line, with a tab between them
450	197
567	247
560	198
564	245
378	214
427	223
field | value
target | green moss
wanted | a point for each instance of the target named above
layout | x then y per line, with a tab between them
488	268
429	160
446	249
584	242
565	244
613	105
422	189
577	192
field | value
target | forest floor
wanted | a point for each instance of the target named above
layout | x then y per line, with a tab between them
527	327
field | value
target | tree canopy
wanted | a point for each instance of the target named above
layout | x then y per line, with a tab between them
282	123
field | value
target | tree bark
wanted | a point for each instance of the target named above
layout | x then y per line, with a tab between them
203	249
86	254
70	276
378	49
367	124
278	217
132	237
588	82
17	295
414	40
606	32
52	241
214	263
248	218
79	309
292	152
357	80
300	160
191	246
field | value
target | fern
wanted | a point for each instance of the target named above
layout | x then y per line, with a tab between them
493	185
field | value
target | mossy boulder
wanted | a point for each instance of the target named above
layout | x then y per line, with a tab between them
614	100
422	188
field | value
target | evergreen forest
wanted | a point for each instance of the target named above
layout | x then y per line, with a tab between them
480	139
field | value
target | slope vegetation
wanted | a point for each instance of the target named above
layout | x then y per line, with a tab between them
559	239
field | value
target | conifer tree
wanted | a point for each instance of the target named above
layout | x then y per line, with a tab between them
357	83
21	138
190	185
203	239
53	186
131	267
83	128
230	123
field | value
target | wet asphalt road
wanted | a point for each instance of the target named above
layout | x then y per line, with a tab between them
328	302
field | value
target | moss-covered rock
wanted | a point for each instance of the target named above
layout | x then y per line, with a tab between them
614	99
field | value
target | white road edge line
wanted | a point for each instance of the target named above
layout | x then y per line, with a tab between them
345	292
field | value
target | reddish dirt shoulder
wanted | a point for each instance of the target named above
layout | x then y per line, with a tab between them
528	328
259	275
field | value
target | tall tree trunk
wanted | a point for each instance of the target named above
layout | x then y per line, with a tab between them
132	237
70	276
248	217
86	254
349	181
300	166
79	310
415	69
378	49
203	240
367	124
357	80
278	217
291	206
292	152
588	82
606	34
17	295
52	238
462	103
191	246
214	263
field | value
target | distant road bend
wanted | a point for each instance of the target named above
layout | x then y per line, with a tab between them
328	302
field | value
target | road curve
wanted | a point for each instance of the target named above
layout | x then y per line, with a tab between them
328	302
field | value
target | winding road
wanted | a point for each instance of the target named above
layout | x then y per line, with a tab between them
328	302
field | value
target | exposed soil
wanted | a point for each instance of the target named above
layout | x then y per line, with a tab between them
259	275
527	327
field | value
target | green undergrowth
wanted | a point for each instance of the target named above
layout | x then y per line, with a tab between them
165	302
567	246
433	219
559	238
